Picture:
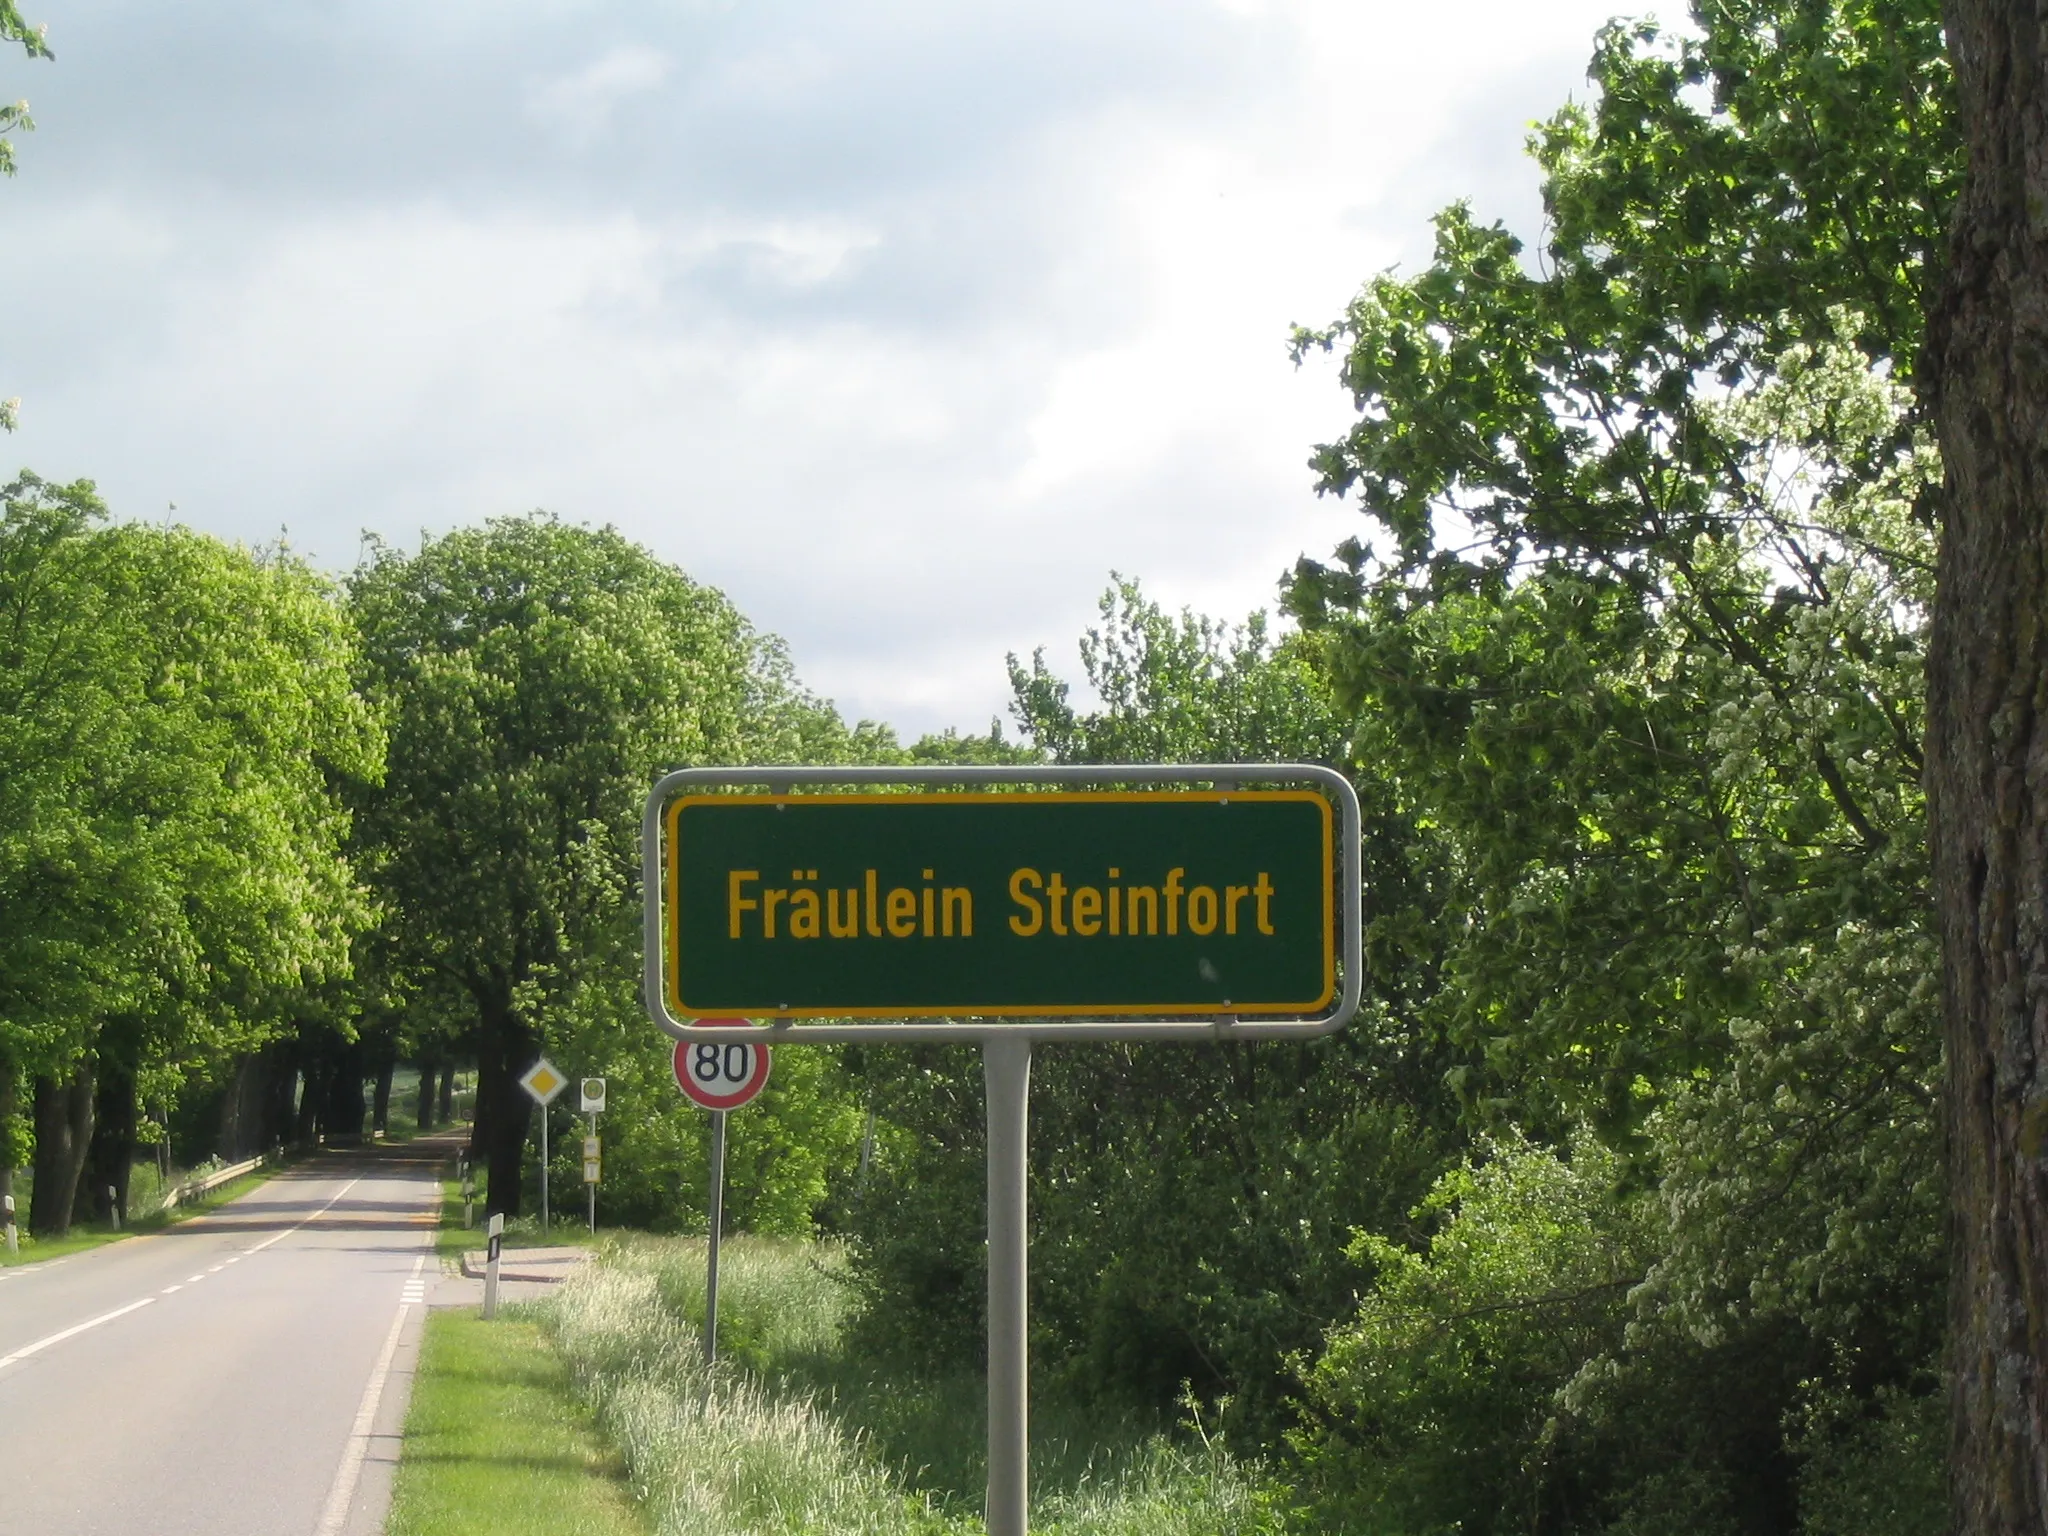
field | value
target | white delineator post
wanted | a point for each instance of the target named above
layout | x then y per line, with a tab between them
7	1210
1006	1073
497	1240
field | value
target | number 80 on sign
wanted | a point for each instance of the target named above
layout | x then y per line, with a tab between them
718	1074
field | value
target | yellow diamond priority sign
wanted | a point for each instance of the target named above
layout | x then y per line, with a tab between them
543	1081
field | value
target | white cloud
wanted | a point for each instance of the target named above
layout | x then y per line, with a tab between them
582	102
904	323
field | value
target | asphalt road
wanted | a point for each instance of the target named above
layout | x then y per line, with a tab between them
240	1374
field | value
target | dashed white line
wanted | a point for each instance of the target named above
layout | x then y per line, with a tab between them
59	1337
278	1237
107	1317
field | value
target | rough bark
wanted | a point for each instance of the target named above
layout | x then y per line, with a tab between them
240	1109
110	1155
345	1105
10	1103
255	1112
312	1088
505	1049
447	1115
63	1116
380	1100
1987	768
425	1111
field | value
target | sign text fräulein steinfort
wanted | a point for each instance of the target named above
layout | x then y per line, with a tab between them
1179	903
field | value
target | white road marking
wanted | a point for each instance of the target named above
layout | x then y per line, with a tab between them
107	1317
170	1288
278	1237
59	1337
343	1493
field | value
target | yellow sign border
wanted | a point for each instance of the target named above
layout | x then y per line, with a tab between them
671	940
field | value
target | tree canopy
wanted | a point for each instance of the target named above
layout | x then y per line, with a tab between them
177	717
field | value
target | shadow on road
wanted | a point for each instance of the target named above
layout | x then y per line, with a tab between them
278	1204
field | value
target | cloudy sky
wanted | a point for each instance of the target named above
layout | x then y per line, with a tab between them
903	323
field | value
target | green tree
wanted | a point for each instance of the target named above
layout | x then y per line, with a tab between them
1442	1391
1191	1203
1640	646
15	116
175	719
538	677
1987	677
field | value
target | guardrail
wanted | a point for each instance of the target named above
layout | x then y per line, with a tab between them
191	1189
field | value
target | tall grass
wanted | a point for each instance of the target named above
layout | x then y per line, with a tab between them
718	1452
788	1436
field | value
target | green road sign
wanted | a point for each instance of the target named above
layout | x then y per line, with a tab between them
1176	903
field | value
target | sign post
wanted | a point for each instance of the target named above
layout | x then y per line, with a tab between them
721	1076
591	1102
543	1082
1008	906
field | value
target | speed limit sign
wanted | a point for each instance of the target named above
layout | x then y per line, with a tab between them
718	1075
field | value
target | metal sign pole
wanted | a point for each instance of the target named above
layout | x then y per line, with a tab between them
543	1167
591	1185
1006	1071
1324	938
717	1220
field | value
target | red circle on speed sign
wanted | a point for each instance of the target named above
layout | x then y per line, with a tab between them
718	1075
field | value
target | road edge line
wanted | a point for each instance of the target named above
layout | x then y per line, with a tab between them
335	1514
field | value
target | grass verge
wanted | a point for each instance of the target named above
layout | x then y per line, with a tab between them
792	1437
36	1250
453	1240
496	1440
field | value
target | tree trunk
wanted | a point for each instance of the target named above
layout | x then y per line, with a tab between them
312	1086
1987	768
110	1155
505	1049
240	1110
255	1113
380	1103
278	1078
10	1104
345	1106
425	1114
63	1115
447	1116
